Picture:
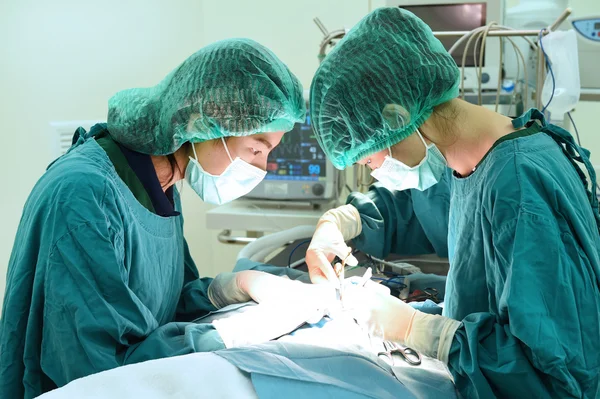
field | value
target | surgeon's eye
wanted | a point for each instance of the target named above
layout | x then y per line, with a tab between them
255	151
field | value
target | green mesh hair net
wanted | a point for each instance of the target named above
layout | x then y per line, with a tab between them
233	87
378	85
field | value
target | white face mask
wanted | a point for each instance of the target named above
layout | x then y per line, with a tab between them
237	180
394	175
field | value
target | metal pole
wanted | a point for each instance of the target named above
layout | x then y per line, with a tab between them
336	34
565	14
527	32
541	70
321	26
502	33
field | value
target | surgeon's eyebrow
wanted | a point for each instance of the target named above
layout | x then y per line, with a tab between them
266	142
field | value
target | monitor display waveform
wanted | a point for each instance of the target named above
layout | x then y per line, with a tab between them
298	156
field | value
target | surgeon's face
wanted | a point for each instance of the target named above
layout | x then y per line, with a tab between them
253	149
409	151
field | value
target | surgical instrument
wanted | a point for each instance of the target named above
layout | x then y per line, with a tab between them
366	277
409	355
339	271
422	295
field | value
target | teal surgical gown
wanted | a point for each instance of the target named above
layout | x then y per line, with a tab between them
95	281
524	273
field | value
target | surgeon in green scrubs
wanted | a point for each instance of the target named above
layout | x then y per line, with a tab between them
507	199
100	274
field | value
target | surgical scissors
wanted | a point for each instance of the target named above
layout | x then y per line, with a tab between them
409	355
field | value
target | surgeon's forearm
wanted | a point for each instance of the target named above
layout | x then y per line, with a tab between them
431	335
194	301
388	223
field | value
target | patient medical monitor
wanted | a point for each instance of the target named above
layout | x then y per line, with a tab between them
463	15
297	169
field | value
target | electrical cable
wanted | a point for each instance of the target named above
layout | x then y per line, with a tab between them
498	27
477	33
574	127
518	53
341	182
515	89
481	34
483	42
294	250
499	87
392	280
549	69
462	70
476	65
297	263
463	38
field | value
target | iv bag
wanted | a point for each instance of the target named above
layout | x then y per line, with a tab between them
561	49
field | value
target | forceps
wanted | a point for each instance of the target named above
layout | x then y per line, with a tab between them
409	355
340	275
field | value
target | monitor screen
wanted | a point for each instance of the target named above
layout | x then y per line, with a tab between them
453	17
298	156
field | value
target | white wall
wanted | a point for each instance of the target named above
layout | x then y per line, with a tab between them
586	113
286	27
62	60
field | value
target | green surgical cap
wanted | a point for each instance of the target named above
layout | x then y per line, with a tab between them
378	85
233	87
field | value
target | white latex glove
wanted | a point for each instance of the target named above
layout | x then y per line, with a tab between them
225	290
284	305
230	288
381	314
388	318
334	228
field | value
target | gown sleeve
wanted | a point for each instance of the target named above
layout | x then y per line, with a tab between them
93	321
194	302
408	222
544	342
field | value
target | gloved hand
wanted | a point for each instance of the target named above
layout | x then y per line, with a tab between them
230	288
284	305
334	228
381	314
388	318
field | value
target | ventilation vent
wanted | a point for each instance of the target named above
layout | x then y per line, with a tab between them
64	131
